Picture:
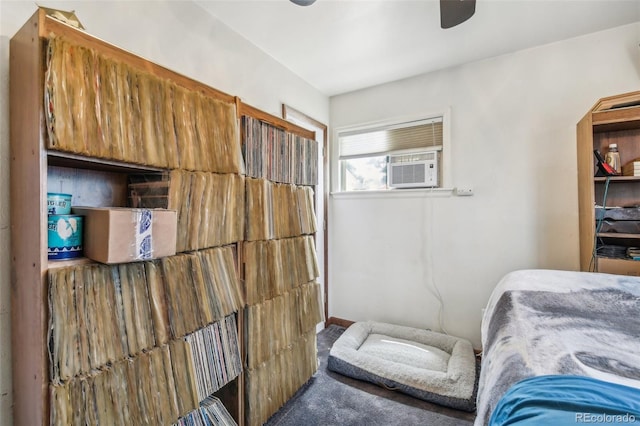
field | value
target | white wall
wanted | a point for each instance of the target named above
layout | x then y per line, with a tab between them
175	34
513	140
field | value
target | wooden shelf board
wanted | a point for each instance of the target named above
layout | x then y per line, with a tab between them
246	109
54	264
618	235
65	159
618	101
616	119
612	179
618	266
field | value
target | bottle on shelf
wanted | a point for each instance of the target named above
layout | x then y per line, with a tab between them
612	158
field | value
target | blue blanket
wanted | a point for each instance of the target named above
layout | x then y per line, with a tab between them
567	400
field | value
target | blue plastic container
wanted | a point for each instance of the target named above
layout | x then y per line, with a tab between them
64	236
58	203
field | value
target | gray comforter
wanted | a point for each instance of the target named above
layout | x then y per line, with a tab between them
540	322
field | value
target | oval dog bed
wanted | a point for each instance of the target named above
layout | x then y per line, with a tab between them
431	366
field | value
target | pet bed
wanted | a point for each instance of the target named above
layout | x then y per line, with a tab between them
431	366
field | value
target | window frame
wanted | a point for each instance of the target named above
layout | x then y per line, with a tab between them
337	169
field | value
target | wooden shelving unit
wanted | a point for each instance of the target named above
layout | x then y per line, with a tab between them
614	119
278	242
31	164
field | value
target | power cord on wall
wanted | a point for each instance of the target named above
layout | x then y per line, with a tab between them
431	283
593	265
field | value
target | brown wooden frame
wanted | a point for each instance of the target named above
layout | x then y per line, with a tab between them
28	229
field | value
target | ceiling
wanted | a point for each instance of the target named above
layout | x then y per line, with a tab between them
339	46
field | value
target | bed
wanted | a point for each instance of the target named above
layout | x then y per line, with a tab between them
561	347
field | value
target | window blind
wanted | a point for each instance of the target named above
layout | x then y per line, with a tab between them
381	140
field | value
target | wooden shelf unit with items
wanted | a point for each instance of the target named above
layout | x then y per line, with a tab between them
70	142
609	206
280	265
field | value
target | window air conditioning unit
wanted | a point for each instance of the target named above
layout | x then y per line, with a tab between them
418	170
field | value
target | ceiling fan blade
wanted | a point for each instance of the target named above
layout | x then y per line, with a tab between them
454	12
303	2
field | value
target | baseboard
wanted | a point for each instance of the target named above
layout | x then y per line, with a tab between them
338	321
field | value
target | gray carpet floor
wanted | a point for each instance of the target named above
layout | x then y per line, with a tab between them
329	399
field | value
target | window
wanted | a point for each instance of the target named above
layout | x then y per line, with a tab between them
365	155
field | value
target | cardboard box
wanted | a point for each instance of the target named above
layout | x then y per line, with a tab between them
121	235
